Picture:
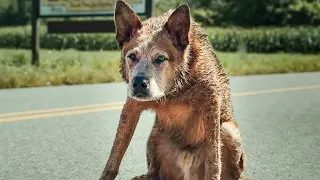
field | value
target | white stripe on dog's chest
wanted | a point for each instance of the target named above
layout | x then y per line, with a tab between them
189	164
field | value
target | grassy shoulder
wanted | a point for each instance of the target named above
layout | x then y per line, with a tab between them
78	67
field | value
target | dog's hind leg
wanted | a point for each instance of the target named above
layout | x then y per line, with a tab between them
233	157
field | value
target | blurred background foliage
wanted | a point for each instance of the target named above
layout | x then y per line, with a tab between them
15	12
246	13
250	13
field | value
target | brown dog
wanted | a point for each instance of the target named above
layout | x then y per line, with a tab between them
171	68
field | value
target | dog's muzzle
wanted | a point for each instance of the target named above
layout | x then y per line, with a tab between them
141	85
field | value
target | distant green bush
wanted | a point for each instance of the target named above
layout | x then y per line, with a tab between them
266	40
253	13
22	40
285	40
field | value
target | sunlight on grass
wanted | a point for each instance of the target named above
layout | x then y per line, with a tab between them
65	67
248	64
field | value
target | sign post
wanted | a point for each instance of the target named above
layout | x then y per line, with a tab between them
78	8
35	33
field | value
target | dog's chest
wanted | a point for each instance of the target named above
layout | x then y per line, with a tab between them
174	115
181	123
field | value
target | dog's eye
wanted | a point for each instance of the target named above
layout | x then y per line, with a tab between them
132	57
160	59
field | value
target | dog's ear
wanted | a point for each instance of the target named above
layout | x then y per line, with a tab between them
178	26
127	22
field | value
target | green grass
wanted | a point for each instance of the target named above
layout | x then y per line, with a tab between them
77	67
57	68
249	64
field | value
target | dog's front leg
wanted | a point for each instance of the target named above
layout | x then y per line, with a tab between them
212	128
128	121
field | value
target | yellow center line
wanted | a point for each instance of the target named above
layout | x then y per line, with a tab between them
270	91
63	113
68	111
59	109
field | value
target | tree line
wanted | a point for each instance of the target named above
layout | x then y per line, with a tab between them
251	12
247	13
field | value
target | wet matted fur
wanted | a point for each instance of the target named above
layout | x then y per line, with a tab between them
171	68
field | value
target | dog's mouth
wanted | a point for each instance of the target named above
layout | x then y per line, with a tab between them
141	93
141	97
144	97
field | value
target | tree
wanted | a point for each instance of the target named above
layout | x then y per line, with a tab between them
259	12
15	12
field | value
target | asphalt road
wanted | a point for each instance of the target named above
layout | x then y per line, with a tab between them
278	115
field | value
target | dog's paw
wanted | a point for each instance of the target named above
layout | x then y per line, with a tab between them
143	177
108	175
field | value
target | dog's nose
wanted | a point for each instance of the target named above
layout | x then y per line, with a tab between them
140	84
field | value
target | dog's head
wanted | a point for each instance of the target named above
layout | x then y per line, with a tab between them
153	52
